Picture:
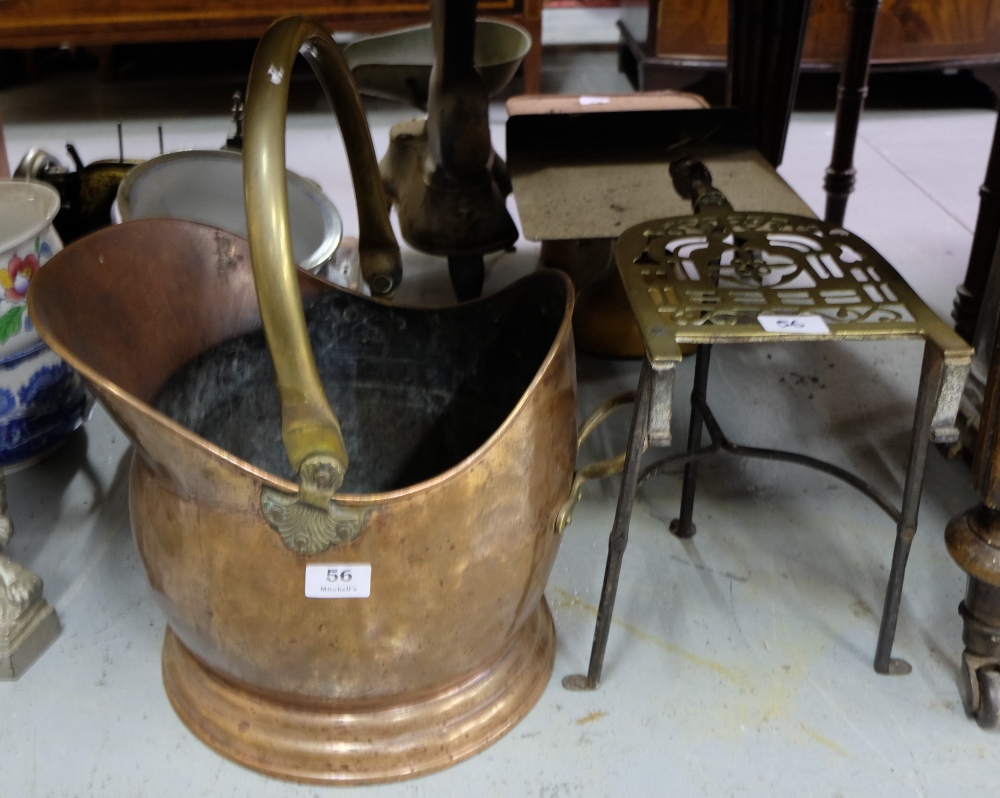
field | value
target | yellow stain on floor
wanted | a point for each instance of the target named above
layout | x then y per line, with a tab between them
568	600
591	718
815	736
772	701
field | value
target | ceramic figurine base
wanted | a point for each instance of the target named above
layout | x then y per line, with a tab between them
357	744
23	641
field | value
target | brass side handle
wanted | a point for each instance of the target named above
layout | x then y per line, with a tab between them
310	430
600	469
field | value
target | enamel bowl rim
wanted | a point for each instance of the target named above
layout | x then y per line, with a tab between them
43	190
323	254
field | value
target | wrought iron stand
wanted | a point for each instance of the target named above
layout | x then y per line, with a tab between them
726	277
683	527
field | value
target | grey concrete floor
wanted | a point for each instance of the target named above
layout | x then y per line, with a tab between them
739	663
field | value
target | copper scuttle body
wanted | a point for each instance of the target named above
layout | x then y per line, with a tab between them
460	425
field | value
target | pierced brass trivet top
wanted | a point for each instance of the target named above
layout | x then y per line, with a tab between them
708	278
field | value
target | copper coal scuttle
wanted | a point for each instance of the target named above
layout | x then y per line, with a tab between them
350	597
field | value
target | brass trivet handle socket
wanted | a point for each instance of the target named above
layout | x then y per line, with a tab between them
309	428
693	182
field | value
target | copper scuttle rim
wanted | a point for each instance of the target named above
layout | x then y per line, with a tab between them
265	477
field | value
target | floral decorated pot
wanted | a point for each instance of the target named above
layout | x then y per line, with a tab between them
41	398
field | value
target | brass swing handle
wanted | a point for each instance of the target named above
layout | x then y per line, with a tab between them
309	428
600	469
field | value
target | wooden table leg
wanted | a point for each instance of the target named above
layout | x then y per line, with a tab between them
969	297
4	162
973	540
532	64
765	53
851	93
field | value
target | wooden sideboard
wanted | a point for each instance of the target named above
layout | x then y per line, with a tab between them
663	35
47	23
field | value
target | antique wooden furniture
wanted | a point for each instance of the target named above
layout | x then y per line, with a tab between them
581	176
662	36
973	540
47	23
978	299
662	40
575	200
586	168
970	295
726	277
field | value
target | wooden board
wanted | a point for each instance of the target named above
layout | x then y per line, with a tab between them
48	23
588	175
907	31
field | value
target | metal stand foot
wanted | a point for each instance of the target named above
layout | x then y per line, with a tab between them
931	377
682	526
467	276
578	682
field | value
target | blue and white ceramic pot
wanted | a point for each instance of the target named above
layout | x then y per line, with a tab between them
41	398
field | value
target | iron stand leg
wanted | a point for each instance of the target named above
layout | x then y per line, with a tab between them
467	273
619	534
930	385
682	526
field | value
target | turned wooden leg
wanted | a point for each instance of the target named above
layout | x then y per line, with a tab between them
851	93
532	64
973	540
4	162
765	52
970	294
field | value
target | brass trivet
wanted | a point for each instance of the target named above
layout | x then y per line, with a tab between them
725	277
